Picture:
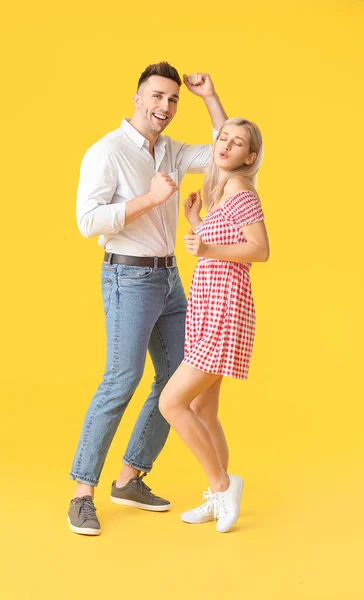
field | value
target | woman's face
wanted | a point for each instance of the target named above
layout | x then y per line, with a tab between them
232	148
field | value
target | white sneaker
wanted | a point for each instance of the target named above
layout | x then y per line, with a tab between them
227	504
203	513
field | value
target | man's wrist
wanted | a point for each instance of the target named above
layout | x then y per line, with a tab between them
211	97
151	199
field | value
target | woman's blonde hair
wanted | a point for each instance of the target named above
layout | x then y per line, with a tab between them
212	188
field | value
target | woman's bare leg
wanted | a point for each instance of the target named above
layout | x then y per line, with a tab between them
184	386
206	406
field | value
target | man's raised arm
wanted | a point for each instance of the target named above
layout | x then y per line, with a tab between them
201	85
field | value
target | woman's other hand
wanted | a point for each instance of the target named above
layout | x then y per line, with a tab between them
194	244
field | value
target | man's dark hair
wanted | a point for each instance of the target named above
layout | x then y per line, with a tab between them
163	69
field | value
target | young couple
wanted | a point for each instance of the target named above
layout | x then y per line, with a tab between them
128	195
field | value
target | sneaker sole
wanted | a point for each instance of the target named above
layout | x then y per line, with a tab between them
152	507
197	522
237	516
83	530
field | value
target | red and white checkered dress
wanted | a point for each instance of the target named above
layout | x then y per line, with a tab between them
220	320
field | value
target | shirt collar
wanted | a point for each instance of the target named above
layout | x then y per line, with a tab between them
137	137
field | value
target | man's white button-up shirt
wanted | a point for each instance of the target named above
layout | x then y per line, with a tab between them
118	168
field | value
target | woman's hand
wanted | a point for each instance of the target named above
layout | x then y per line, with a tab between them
194	244
192	207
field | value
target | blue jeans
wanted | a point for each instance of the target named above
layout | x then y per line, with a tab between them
145	310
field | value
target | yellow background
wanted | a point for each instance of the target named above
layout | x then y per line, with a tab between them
295	427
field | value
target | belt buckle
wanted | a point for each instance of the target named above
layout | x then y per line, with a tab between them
170	262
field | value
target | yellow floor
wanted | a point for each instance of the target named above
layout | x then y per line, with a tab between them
300	533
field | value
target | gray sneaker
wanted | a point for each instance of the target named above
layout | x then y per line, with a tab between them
136	493
82	516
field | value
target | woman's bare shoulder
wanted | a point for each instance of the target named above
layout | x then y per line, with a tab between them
236	184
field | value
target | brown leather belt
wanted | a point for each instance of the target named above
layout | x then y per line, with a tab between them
141	261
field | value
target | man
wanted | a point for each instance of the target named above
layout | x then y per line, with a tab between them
128	195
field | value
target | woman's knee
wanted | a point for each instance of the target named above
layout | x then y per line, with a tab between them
165	404
205	412
169	405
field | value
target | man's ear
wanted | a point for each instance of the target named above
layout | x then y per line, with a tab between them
136	99
251	158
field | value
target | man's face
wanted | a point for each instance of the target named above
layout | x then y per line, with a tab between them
156	103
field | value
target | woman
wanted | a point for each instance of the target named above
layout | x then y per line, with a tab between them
220	320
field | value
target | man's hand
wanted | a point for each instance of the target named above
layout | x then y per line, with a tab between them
194	244
199	84
162	188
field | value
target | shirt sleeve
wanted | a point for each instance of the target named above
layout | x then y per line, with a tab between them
194	158
97	185
242	209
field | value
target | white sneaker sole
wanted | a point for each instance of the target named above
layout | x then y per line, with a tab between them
228	527
83	530
152	507
209	520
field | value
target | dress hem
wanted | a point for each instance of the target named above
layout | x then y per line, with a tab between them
224	374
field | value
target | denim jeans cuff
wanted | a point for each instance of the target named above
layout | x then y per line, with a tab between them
81	479
138	466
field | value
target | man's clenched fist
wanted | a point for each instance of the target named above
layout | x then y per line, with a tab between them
162	187
199	84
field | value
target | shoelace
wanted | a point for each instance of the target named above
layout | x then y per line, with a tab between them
215	501
143	487
86	508
219	506
207	500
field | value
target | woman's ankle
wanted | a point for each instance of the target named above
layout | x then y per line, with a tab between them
221	485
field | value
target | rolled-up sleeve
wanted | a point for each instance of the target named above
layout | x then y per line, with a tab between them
96	215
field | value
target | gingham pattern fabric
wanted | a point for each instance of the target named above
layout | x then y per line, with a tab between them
220	320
